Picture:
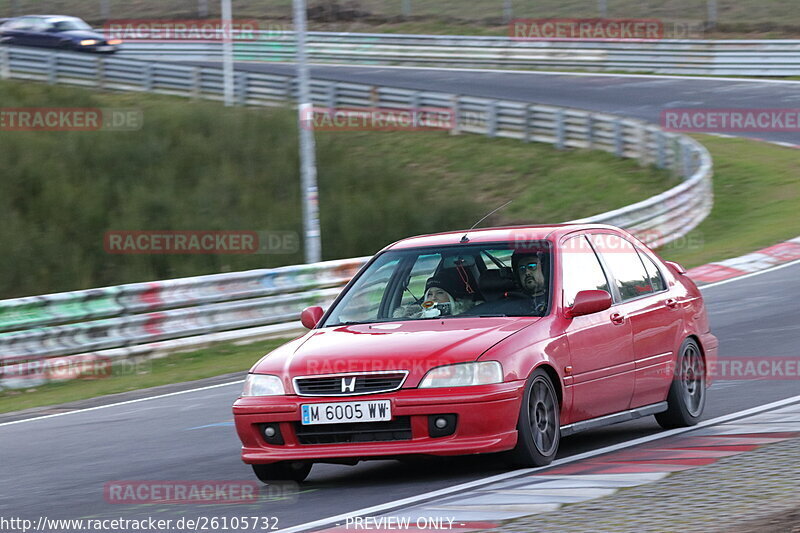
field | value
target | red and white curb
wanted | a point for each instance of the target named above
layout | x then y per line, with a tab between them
594	477
775	255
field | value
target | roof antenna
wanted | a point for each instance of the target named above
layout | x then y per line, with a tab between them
465	238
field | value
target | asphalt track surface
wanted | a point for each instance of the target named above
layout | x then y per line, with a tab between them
57	467
638	96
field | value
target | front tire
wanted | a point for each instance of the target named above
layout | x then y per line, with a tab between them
687	394
538	428
283	471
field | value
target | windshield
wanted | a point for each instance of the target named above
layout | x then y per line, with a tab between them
71	24
449	282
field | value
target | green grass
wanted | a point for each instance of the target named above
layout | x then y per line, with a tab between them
737	18
200	166
175	368
756	201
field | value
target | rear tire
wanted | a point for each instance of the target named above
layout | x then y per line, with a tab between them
284	471
538	428
687	394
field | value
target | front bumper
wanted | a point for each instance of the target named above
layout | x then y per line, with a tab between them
486	423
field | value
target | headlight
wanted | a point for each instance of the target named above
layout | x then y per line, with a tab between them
262	385
115	41
88	42
463	375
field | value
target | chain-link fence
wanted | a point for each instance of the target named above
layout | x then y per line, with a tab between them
728	15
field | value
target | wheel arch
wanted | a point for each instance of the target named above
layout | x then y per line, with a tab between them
555	379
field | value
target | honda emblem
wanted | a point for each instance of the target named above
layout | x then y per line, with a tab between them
349	386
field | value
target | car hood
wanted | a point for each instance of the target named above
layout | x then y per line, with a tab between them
415	346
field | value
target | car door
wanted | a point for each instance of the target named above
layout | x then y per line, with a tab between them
654	317
600	344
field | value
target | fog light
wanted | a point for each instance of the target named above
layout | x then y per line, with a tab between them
272	434
442	425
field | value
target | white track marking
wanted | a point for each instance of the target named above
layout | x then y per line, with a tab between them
121	403
527	471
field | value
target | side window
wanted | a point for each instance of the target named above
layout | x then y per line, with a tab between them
653	274
626	267
581	269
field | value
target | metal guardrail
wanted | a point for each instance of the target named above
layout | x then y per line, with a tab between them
136	314
700	57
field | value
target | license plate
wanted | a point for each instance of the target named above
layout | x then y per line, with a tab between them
104	48
336	413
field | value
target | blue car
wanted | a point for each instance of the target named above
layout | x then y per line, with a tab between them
56	31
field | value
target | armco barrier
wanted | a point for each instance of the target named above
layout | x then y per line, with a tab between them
701	57
127	319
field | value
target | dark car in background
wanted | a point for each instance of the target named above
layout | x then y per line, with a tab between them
55	31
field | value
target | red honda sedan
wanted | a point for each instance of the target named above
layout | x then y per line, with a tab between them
497	340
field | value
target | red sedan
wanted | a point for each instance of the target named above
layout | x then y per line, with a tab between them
497	340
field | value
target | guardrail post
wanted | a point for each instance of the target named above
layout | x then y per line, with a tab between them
456	109
240	89
287	89
148	77
101	72
332	94
527	123
375	96
619	142
675	162
590	125
52	69
561	130
491	119
686	157
661	150
5	63
196	91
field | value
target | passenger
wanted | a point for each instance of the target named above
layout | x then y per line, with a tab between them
438	300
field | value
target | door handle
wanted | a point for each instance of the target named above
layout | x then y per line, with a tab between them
671	303
617	318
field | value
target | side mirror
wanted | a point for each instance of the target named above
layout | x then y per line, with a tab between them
676	267
588	302
311	316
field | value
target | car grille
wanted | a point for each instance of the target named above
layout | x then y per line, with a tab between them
342	384
398	429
